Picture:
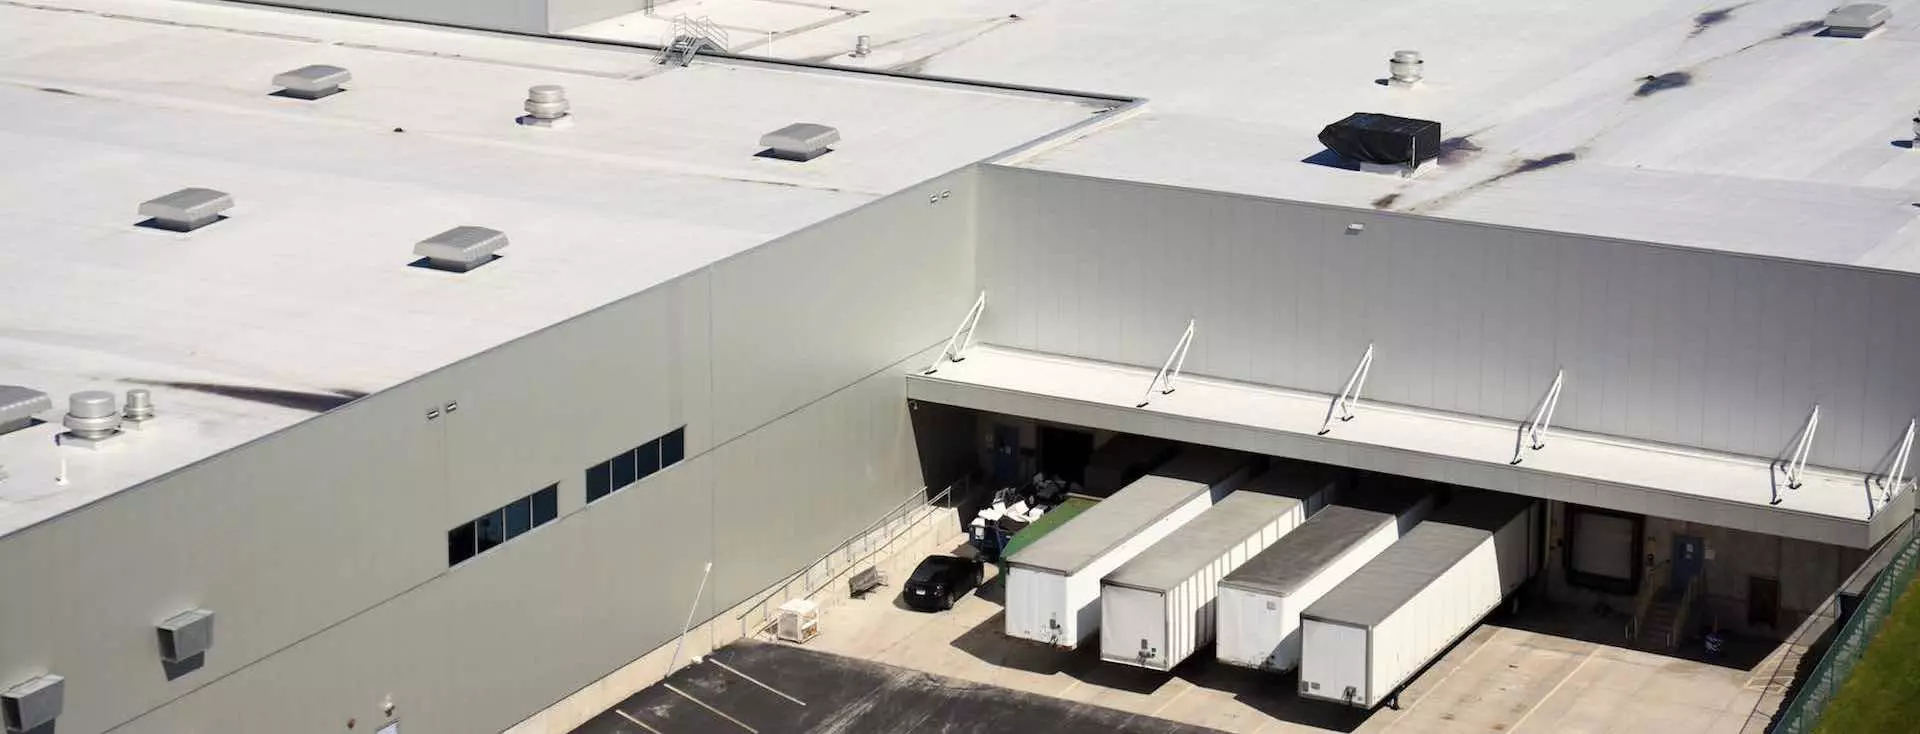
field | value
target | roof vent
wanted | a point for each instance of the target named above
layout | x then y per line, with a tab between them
801	141
862	45
547	106
1857	20
91	419
311	82
17	406
139	407
1406	68
186	635
460	249
186	210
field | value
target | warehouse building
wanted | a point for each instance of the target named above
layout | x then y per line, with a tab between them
361	372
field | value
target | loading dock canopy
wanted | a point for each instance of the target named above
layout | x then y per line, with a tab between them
1309	549
1221	528
1609	472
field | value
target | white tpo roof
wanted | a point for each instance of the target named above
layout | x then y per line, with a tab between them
303	299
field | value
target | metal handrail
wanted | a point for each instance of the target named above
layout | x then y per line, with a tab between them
1680	615
890	516
1645	599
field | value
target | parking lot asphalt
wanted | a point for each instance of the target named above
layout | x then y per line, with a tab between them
762	688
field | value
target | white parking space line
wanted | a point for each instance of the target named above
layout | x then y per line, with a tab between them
636	722
1555	689
716	712
750	679
1407	708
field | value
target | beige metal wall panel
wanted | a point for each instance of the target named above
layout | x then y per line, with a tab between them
1690	347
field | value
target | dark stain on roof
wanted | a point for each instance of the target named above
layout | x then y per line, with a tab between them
1457	149
1651	85
1799	29
1536	164
312	402
1385	202
1711	18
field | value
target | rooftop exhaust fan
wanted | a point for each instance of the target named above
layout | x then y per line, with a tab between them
186	210
311	82
801	141
1371	137
1857	20
460	249
17	406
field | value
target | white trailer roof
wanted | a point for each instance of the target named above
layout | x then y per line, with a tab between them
1221	528
1303	553
1115	519
303	300
1385	584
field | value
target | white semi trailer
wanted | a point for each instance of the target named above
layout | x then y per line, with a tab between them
1158	608
1259	604
1365	639
1053	585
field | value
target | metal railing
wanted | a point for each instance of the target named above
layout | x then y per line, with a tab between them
876	538
1648	589
1679	628
1803	713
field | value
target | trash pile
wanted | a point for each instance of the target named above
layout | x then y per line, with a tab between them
1013	509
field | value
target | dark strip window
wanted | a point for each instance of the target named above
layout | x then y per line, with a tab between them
506	523
620	471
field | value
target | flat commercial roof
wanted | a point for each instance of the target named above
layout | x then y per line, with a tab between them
1599	471
303	299
1731	126
1385	584
1301	554
1223	527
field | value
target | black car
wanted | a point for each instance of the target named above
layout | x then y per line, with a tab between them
939	581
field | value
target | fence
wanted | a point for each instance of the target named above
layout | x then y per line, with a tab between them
1802	714
877	538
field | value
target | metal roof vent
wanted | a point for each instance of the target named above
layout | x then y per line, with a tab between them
139	408
547	106
1857	20
862	46
460	249
17	406
1406	67
801	141
311	82
92	418
186	210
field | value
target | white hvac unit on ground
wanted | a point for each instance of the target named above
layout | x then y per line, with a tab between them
1053	585
1259	603
1362	641
1158	608
797	620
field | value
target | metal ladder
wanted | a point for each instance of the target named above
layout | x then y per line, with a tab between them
688	37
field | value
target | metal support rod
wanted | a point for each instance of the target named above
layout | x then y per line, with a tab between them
675	660
1171	370
1895	479
956	349
1350	395
1796	463
1533	433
